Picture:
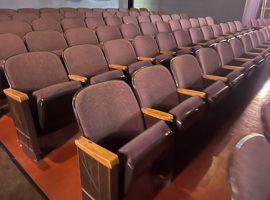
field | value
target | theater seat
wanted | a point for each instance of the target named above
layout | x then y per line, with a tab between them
116	149
46	24
93	22
87	64
190	81
130	31
156	91
148	28
107	33
19	28
68	23
39	97
249	168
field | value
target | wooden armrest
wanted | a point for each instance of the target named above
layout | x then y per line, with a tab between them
158	114
146	58
253	53
102	43
265	45
129	39
243	59
259	49
16	95
231	67
215	78
77	78
199	43
171	52
184	47
192	92
97	152
122	67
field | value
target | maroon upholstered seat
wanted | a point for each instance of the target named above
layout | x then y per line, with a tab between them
144	13
146	46
94	22
155	18
142	19
99	10
83	10
113	10
130	31
4	17
46	24
19	28
46	41
113	21
175	17
130	20
89	14
209	20
194	23
48	10
155	89
175	25
248	46
197	37
55	15
68	23
211	65
187	74
121	14
8	12
163	26
66	9
121	52
148	28
248	168
166	18
106	33
108	14
77	36
73	14
133	13
26	17
28	10
88	61
202	21
185	24
110	118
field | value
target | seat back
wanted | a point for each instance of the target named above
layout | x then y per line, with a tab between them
166	18
8	12
83	10
121	14
120	52
123	10
113	21
130	20
232	27
144	13
94	22
194	23
225	52
166	42
146	46
107	14
237	47
143	19
130	31
184	16
248	168
4	17
108	114
19	28
182	38
29	72
186	71
175	17
89	14
77	36
163	27
155	88
68	23
209	60
175	25
254	40
66	9
46	24
28	10
217	30
225	28
11	45
207	32
99	10
114	10
202	21
247	43
155	18
51	15
196	35
239	26
85	60
48	10
134	13
210	21
260	37
254	23
26	17
148	28
185	24
73	14
45	41
106	33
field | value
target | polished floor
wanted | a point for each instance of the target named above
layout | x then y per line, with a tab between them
204	177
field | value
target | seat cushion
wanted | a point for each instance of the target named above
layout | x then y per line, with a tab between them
114	74
166	56
137	65
216	92
188	112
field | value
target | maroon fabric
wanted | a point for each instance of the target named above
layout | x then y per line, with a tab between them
83	10
184	16
146	46
194	23
155	18
10	45
26	17
225	28
108	14
232	27
238	25
148	28
175	17
144	13
66	9
109	114
56	16
46	24
210	21
130	20
166	18
45	41
72	14
249	168
216	92
121	14
110	75
175	25
166	42
155	88
207	32
106	33
137	65
90	14
196	35
182	38
265	115
123	10
8	12
99	10
113	21
79	62
163	27
142	19
202	21
134	13
55	89
68	23
48	10
114	10
185	24
130	31
29	10
4	17
32	71
77	36
19	28
217	30
225	52
93	22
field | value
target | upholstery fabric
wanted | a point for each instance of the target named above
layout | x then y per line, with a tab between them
93	22
78	36
46	24
106	33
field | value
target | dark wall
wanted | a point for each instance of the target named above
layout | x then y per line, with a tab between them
220	10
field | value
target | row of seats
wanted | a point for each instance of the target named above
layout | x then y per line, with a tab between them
259	23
